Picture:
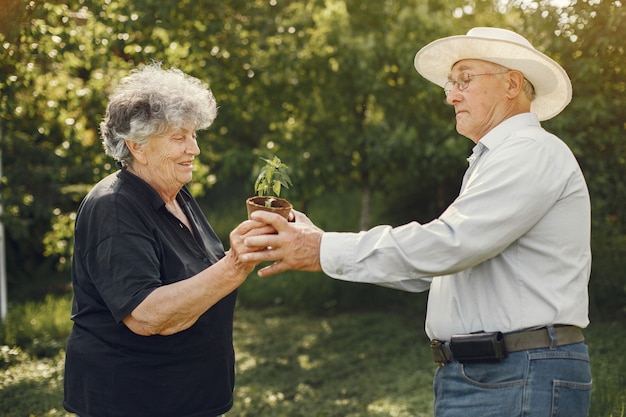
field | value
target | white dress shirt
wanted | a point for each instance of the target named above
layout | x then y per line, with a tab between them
511	252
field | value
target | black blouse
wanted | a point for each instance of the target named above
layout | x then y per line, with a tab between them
126	244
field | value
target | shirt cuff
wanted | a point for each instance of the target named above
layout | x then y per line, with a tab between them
337	255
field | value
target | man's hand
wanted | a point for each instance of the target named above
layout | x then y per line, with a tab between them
293	246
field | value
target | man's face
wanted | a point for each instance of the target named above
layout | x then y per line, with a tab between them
482	105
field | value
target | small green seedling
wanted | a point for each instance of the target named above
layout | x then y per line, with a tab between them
271	179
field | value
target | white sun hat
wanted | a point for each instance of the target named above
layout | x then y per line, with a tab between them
552	85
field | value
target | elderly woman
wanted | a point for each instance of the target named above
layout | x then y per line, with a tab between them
154	291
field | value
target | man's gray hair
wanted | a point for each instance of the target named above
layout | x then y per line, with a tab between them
153	101
529	90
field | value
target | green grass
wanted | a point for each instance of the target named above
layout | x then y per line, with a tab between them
290	362
343	365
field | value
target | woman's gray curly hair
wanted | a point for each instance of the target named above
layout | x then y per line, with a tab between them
153	101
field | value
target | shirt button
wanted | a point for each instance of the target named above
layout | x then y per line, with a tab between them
339	272
205	260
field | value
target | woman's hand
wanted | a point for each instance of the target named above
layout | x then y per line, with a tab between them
238	246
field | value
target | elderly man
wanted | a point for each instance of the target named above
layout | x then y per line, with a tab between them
507	264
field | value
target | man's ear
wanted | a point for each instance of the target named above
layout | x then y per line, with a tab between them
516	83
137	150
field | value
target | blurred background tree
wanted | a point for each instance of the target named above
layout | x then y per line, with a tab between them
328	85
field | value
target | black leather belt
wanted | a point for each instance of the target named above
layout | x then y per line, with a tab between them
481	347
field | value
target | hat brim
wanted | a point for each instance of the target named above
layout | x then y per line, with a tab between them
552	85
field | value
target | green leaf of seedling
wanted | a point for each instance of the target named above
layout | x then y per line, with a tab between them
272	177
276	188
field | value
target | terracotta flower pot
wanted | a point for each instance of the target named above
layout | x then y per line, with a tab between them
278	205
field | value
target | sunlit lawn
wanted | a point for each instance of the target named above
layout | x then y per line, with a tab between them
351	364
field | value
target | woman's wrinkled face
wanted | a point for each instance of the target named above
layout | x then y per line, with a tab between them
168	159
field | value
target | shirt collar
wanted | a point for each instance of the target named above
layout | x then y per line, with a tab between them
147	192
498	134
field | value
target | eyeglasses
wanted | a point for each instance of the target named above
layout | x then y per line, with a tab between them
463	80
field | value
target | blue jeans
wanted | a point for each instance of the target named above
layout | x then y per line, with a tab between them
532	383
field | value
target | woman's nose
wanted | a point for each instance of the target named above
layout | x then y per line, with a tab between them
192	146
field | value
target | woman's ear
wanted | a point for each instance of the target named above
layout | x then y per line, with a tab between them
137	150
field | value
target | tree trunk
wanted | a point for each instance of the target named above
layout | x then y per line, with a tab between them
366	199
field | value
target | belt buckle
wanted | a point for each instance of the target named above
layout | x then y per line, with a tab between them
441	354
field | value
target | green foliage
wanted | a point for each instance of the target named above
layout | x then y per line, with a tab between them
53	76
32	342
32	387
38	328
272	177
608	396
